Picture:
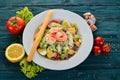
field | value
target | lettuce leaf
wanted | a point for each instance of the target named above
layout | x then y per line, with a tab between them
25	14
30	69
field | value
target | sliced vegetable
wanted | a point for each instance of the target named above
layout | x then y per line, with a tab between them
65	49
64	28
59	49
72	30
43	43
54	24
77	36
75	26
54	48
50	55
71	52
77	43
70	39
66	23
63	56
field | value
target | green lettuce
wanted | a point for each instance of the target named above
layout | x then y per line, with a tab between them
30	69
25	14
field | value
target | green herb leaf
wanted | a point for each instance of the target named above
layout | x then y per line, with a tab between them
25	14
30	69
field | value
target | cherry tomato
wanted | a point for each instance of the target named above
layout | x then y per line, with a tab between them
96	50
98	41
15	25
106	48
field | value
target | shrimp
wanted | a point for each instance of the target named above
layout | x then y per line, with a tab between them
50	38
61	36
55	30
56	34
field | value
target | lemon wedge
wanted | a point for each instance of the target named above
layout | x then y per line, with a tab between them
14	52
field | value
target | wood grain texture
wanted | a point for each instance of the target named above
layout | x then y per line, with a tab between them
103	67
60	2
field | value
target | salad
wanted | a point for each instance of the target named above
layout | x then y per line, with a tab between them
60	41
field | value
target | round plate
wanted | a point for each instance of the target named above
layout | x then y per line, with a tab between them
60	14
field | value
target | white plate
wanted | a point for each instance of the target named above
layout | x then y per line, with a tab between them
83	52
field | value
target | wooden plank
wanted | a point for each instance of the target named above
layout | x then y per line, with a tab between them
29	2
101	12
93	2
103	67
60	2
102	74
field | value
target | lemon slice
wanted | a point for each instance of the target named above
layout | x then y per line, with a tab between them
15	52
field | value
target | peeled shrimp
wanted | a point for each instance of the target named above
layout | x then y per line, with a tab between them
56	34
61	36
50	38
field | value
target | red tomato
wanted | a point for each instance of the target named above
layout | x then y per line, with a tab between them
96	50
98	41
106	48
15	25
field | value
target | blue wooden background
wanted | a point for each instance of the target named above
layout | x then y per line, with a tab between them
103	67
